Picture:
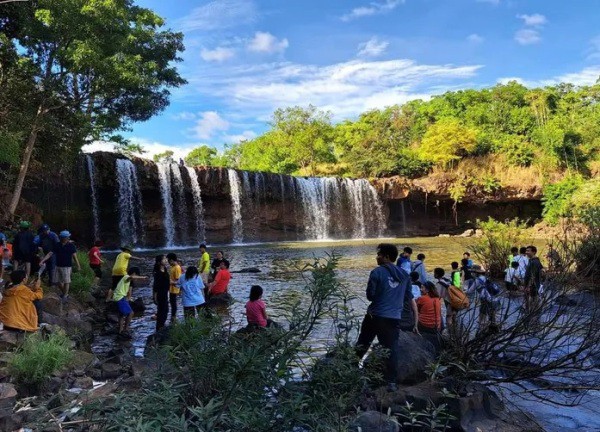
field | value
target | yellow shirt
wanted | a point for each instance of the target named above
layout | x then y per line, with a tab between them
174	274
204	259
17	309
121	264
122	289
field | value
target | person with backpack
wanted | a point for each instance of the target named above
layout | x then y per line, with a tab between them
404	260
418	266
442	284
488	292
455	276
410	312
511	278
387	289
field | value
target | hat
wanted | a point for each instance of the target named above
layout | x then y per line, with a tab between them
24	224
127	248
64	234
45	227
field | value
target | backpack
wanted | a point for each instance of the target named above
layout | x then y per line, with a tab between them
458	299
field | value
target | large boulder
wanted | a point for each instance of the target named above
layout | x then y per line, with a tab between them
416	353
53	304
373	421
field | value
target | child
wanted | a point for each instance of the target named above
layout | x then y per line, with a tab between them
192	292
416	285
455	275
122	295
17	308
96	261
419	266
174	274
467	256
487	292
467	277
442	284
512	277
256	310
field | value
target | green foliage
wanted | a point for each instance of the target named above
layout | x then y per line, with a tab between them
166	156
446	142
557	198
39	357
493	248
203	155
82	281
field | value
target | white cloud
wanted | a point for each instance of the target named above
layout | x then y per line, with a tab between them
585	77
208	124
373	8
218	15
535	20
244	136
184	115
594	49
219	54
264	42
151	148
372	48
528	36
475	38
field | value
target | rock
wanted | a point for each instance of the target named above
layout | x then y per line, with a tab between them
84	383
468	233
138	305
416	353
8	398
373	421
220	300
444	235
83	360
54	384
9	340
52	304
248	270
111	371
11	423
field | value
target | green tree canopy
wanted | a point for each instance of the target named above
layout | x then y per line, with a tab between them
203	155
446	142
166	156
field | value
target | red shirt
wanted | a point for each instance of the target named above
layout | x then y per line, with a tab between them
92	255
256	312
430	311
221	281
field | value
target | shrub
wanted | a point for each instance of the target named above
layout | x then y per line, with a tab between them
82	281
493	248
39	357
557	198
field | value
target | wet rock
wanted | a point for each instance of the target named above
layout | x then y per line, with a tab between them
416	353
84	383
138	305
111	371
373	421
54	384
8	398
52	304
75	325
248	270
220	300
9	340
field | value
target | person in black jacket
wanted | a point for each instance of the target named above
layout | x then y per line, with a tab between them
533	278
160	290
24	248
216	263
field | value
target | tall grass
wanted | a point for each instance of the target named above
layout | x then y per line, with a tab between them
39	357
82	281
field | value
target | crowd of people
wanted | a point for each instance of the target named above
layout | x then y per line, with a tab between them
405	297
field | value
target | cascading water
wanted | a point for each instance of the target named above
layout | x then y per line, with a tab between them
164	175
198	206
131	225
181	215
236	206
315	212
95	212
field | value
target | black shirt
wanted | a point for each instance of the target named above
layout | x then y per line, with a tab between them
216	263
161	282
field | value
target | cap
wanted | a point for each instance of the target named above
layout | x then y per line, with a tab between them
45	227
24	224
64	234
127	248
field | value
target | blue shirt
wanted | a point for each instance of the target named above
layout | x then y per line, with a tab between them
388	288
46	241
419	267
192	293
64	254
404	263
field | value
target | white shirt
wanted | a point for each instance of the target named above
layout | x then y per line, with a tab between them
510	275
416	291
523	263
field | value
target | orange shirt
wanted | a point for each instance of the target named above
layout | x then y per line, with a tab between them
17	309
221	281
430	311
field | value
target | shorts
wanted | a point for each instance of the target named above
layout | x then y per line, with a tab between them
63	275
115	281
124	307
97	270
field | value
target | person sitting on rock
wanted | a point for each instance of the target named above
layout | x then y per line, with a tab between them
216	264
17	311
430	313
256	310
220	284
122	295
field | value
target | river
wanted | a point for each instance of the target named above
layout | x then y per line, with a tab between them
278	263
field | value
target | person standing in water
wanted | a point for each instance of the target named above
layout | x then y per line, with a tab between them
160	290
174	275
204	264
388	289
120	268
192	292
216	264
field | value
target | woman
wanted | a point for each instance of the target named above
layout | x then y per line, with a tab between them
160	290
216	263
17	308
430	309
192	289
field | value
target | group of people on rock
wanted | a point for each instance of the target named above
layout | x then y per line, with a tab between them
404	297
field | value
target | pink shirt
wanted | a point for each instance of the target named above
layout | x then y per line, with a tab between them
256	312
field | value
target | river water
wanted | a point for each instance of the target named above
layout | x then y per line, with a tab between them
279	264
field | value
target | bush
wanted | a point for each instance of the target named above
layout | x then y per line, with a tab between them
493	248
557	198
39	357
82	281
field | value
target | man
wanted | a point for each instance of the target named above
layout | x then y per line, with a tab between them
65	253
388	289
442	284
46	241
204	264
419	266
404	260
17	310
23	248
220	284
533	278
174	274
122	296
523	262
120	267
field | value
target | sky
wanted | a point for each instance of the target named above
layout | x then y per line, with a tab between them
246	58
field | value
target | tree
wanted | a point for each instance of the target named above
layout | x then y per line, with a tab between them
166	156
98	64
447	141
203	155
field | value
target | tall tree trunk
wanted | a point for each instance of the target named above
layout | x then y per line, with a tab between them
25	162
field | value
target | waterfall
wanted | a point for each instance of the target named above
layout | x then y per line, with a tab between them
283	213
164	175
95	213
131	226
198	206
355	190
181	215
315	212
236	205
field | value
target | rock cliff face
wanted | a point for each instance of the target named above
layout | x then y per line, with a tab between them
273	207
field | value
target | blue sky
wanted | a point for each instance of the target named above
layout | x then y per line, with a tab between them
245	58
